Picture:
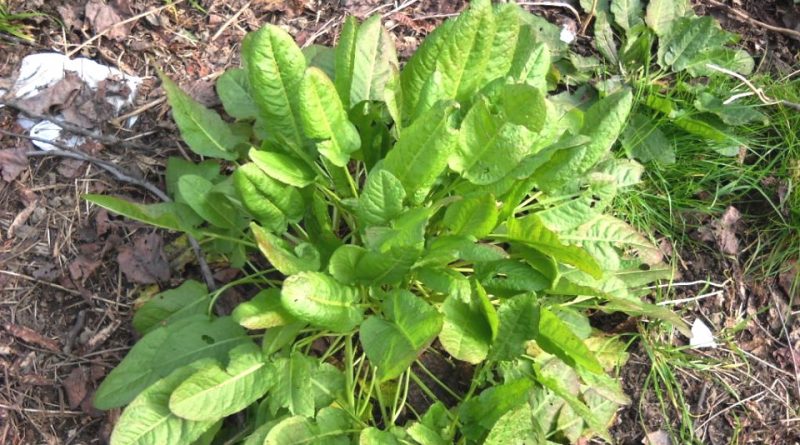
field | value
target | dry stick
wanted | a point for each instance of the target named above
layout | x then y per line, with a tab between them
742	15
66	152
757	91
229	21
124	22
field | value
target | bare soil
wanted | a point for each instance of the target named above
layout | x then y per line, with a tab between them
69	276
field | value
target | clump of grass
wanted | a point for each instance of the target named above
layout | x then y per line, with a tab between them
11	22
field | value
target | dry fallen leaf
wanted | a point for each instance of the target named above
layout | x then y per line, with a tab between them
12	163
144	262
659	437
57	95
103	16
76	387
28	335
726	231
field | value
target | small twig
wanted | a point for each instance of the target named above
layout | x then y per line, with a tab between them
560	5
119	120
757	91
73	332
742	15
690	299
789	344
228	22
66	152
124	22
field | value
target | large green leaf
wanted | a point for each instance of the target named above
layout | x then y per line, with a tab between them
273	204
167	215
148	419
504	41
531	61
374	436
381	200
164	350
233	89
605	234
575	209
214	392
333	426
263	311
692	43
275	68
190	298
325	120
320	300
643	140
469	327
421	154
662	13
345	58
627	13
351	264
202	129
513	427
394	341
478	415
289	261
418	72
506	278
286	169
604	38
518	323
199	193
530	231
472	216
374	62
557	338
730	113
293	387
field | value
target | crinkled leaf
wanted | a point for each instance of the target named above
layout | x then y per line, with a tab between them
603	235
506	278
421	154
275	68
345	53
469	327
293	385
325	120
320	300
214	392
518	323
394	341
478	415
164	350
513	427
694	42
579	208
332	427
557	338
472	216
233	89
285	168
381	200
273	204
263	311
627	13
374	436
321	57
202	129
604	37
643	140
190	298
662	13
374	62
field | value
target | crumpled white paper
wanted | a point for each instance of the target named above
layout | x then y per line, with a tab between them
702	337
39	71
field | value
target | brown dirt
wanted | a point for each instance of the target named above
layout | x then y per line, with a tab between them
59	272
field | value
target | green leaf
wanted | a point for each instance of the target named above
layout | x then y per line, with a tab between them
731	114
421	153
381	200
419	70
293	386
328	383
478	415
469	327
513	427
345	57
574	209
606	233
472	216
213	207
233	89
148	419
352	264
374	62
321	57
530	231
662	13
275	68
320	300
694	42
445	281
531	61
643	140
625	172
178	167
393	343
506	278
576	404
434	426
164	350
303	258
325	120
604	37
627	13
167	215
493	140
263	311
332	427
276	338
212	392
273	204
190	298
286	169
202	129
557	338
518	323
374	436
504	41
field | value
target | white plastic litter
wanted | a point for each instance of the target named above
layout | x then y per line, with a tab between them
39	71
567	36
702	337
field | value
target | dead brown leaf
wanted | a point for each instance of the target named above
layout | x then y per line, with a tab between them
76	387
69	16
144	262
790	280
57	95
28	335
103	16
12	163
726	231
